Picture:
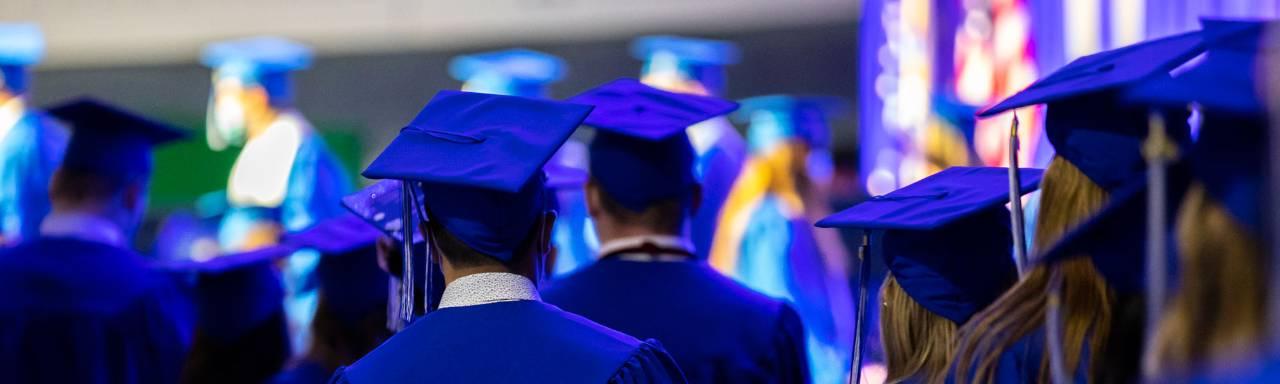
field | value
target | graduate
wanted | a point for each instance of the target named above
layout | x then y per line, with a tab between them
240	331
765	238
947	242
284	179
529	73
477	161
31	145
648	282
1216	323
77	304
1098	139
351	315
697	66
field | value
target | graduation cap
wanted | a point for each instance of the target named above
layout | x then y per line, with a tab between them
777	117
379	205
946	238
1229	155
478	159
701	60
348	275
1088	121
515	72
265	61
640	153
233	293
21	45
110	140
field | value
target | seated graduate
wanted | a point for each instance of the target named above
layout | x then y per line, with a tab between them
647	282
240	334
351	315
1216	324
1098	139
947	242
77	305
477	161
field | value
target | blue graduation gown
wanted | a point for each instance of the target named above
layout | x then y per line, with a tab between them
29	154
511	342
718	330
75	311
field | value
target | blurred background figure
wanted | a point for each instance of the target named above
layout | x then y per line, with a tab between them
697	66
31	145
284	179
80	305
528	73
240	332
765	237
351	314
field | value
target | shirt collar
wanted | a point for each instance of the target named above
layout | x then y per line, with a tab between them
488	287
84	227
621	245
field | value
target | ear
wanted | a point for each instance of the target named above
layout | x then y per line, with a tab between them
592	192
389	256
134	195
695	199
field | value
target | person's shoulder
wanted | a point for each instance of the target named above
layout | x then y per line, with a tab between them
743	299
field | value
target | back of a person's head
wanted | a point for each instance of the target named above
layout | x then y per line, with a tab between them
72	187
663	216
1068	197
918	344
1217	316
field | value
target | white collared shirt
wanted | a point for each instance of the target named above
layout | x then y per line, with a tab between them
84	227
486	288
661	241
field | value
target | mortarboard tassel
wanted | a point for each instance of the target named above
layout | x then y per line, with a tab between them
859	335
1158	151
406	229
1015	202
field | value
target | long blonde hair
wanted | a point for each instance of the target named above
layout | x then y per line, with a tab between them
1218	315
1068	197
918	344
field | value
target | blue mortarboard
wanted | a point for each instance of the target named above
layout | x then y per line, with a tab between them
265	61
697	59
640	153
21	45
351	283
108	139
516	72
233	293
1087	121
379	205
777	117
945	238
478	159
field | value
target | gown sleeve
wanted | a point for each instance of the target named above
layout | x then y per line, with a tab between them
789	348
650	364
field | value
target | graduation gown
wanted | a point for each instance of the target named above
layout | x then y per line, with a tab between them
30	152
718	330
305	372
1021	362
78	311
523	341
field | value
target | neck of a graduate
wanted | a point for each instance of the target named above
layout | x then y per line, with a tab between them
609	229
102	209
453	272
261	118
6	95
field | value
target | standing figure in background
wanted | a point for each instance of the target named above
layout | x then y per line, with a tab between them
77	304
527	73
765	239
285	179
31	146
697	66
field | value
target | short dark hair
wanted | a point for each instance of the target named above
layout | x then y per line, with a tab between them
666	215
76	186
461	255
